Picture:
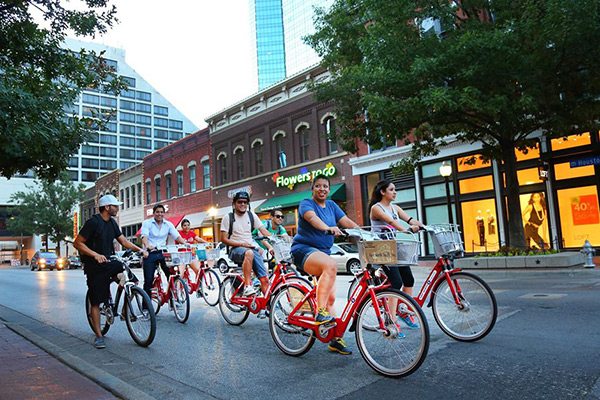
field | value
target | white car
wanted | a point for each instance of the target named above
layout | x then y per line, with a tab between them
346	257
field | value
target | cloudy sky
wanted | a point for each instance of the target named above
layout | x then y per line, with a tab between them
196	53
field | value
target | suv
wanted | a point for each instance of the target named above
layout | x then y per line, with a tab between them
74	262
47	260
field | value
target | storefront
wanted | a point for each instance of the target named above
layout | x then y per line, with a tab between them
558	183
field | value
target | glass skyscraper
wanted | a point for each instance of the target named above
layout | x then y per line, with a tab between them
278	27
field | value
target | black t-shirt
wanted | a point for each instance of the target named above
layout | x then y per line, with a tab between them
99	236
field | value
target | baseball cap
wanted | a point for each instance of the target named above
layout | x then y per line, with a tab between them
108	200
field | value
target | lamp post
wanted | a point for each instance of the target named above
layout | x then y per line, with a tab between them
446	171
213	213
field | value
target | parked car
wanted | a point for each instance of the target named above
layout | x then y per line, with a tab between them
73	262
346	256
135	259
223	263
47	260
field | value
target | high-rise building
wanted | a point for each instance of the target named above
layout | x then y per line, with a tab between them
279	27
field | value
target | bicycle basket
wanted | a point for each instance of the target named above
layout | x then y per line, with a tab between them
282	247
182	257
446	239
392	248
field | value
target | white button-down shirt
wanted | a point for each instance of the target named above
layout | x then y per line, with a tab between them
157	234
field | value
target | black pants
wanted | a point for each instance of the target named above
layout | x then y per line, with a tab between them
150	263
99	277
399	276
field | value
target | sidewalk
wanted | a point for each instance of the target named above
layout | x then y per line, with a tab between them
27	372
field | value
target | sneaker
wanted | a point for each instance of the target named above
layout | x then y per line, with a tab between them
338	345
249	291
409	320
262	314
323	316
99	343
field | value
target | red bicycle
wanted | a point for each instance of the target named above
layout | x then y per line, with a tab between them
463	304
384	345
176	293
207	283
235	308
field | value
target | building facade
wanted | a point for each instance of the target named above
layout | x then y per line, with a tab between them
131	193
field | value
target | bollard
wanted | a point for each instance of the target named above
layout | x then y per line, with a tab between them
589	251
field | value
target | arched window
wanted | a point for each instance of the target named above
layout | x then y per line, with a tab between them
157	187
192	178
168	184
257	151
280	150
222	161
332	144
238	153
304	141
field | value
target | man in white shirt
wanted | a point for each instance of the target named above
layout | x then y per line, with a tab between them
243	249
155	232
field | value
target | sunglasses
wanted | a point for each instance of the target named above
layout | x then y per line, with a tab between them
278	216
241	202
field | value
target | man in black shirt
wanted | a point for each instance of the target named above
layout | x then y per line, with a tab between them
95	245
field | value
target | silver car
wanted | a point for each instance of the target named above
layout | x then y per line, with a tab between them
346	257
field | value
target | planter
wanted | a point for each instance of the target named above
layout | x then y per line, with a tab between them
558	260
471	262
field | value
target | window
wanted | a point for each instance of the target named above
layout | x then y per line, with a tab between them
143	119
239	162
127	198
127	129
89	150
162	122
566	171
126	164
122	197
304	136
127	117
579	216
332	144
132	195
108	102
127	141
192	178
281	156
108	139
129	81
143	131
90	163
108	164
110	127
90	111
88	176
144	143
108	151
175	135
206	174
258	160
127	105
139	155
127	153
144	96
175	124
470	163
159	145
478	184
90	98
139	193
157	188
168	186
571	141
159	110
161	134
148	196
479	225
73	162
143	107
179	182
128	93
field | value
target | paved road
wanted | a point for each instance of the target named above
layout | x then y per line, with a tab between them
544	345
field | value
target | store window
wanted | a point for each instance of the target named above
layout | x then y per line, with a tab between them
579	216
571	141
529	176
470	163
479	184
435	191
565	171
435	215
530	154
431	170
480	226
535	220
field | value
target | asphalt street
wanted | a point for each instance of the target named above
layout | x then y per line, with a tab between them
544	345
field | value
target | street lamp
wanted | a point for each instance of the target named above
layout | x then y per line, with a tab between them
213	213
446	171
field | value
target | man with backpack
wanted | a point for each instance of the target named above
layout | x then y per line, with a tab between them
236	228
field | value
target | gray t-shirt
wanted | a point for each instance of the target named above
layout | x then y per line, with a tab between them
242	229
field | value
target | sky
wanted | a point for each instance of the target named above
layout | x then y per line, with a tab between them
196	53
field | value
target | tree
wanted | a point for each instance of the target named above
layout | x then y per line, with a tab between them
498	72
39	81
47	208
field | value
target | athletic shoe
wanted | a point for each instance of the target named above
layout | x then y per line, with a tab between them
262	314
99	343
409	320
323	316
249	290
339	346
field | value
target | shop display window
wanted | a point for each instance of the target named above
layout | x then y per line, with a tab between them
472	162
435	215
405	195
479	184
529	176
480	225
571	141
579	216
431	170
532	153
534	211
564	171
439	190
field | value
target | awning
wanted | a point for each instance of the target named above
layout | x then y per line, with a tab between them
196	218
9	245
337	192
174	219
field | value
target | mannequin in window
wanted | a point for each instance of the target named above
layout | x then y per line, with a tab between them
480	228
491	221
533	217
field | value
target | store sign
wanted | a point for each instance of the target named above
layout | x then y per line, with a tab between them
150	212
584	210
304	175
584	162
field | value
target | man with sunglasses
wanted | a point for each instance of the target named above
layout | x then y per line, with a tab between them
273	225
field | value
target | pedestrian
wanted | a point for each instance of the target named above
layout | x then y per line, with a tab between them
95	245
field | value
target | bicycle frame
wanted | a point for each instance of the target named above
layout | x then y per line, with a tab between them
162	295
194	286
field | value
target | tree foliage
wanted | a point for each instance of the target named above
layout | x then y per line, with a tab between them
40	80
499	73
46	208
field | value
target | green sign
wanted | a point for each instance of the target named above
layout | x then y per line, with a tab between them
304	176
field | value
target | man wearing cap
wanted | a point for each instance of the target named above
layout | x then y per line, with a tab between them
95	245
155	232
237	234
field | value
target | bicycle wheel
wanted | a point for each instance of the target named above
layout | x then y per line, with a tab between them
353	284
139	316
180	300
476	314
234	314
104	319
210	284
290	339
393	351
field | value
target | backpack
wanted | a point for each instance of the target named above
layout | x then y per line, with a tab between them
232	220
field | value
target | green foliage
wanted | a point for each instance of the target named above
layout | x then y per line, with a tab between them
506	251
46	208
499	73
39	81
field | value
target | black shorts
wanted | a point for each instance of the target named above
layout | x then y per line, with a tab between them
99	277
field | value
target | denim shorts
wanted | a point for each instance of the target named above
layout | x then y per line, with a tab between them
237	255
300	253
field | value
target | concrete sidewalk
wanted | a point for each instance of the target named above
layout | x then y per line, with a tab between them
27	372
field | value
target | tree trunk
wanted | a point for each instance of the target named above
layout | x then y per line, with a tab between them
516	234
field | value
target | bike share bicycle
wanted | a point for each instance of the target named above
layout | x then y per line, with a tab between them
207	283
463	305
137	308
176	294
384	345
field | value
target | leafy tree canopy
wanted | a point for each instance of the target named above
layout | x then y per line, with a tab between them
40	80
498	72
46	208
